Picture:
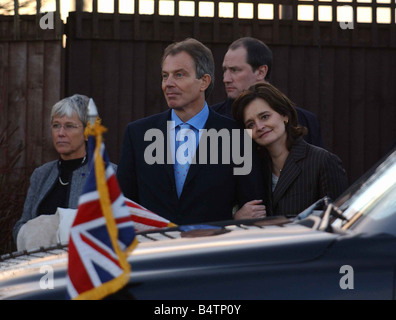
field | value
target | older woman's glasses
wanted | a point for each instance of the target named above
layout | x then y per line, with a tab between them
67	126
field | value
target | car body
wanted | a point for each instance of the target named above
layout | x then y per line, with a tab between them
333	250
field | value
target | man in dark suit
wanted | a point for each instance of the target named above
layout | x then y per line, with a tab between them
248	61
181	182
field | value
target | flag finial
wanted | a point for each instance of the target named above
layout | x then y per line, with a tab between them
94	127
92	111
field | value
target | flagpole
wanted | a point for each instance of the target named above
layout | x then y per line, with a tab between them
103	231
95	130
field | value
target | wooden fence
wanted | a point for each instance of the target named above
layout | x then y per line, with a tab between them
31	68
345	76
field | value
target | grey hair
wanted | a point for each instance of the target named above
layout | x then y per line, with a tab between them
76	104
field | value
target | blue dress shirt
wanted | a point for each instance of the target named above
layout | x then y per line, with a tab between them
195	124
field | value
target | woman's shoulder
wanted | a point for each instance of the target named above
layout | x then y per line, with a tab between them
43	171
323	156
314	152
46	167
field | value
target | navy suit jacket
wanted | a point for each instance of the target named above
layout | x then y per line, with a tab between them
210	190
309	174
305	118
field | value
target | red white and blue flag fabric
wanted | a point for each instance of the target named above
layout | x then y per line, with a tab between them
102	234
145	219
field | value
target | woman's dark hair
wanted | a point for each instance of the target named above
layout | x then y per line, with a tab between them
277	101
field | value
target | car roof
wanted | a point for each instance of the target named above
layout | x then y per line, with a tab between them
238	232
219	244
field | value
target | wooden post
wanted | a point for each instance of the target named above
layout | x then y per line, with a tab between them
17	34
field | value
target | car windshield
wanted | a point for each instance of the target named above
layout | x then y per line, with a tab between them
370	204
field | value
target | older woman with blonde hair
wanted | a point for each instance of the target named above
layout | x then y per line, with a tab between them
299	173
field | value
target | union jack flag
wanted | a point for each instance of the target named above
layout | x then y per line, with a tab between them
102	233
145	219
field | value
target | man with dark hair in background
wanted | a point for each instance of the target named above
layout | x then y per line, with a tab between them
248	61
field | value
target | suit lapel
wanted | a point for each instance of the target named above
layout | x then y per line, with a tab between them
163	126
291	170
196	167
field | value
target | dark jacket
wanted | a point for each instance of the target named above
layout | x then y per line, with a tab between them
309	174
210	190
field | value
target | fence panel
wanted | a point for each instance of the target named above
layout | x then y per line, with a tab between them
339	74
31	68
343	75
31	72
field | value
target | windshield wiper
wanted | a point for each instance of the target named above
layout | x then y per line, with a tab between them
321	204
331	211
320	213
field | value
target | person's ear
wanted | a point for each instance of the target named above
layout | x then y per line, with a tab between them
205	81
262	72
